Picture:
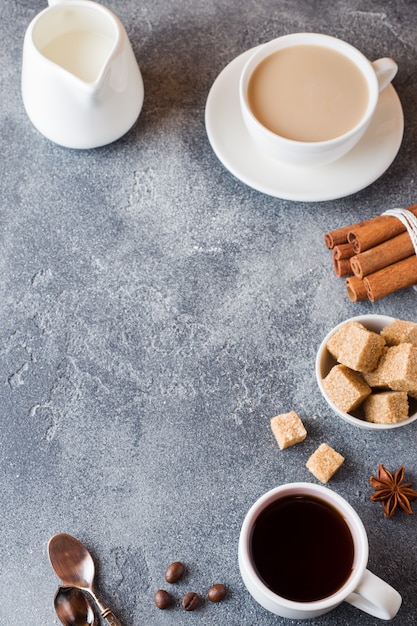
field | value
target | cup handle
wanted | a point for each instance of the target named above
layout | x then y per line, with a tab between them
385	70
376	597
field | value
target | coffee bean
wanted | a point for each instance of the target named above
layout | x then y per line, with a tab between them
174	572
190	601
162	599
216	593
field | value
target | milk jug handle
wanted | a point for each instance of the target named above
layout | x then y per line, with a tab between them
385	70
376	597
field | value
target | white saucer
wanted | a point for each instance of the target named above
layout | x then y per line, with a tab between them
233	146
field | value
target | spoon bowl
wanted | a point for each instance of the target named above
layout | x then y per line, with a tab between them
73	608
73	564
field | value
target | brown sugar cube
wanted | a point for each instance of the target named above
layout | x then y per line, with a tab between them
336	341
377	379
387	407
400	331
400	368
346	388
324	462
288	429
361	349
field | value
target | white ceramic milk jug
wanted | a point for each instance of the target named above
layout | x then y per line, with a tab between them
81	84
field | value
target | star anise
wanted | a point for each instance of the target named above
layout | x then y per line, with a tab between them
391	491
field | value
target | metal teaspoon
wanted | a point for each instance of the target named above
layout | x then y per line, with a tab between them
73	608
74	565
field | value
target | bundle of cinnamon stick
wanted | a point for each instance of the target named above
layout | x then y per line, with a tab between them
376	256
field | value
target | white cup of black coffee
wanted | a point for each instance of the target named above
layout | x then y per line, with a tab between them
303	550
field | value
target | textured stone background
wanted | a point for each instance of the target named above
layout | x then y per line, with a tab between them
155	313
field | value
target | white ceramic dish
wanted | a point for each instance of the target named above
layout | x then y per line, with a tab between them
237	151
324	363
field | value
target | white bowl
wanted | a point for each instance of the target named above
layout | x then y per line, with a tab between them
325	361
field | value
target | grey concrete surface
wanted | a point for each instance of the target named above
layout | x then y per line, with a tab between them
155	313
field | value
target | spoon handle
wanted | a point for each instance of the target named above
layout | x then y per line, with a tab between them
105	612
110	618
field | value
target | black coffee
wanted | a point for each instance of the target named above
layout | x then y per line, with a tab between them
302	548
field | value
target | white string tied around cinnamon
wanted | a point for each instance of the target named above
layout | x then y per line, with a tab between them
409	220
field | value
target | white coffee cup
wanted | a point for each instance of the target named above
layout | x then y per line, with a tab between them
81	84
362	588
377	76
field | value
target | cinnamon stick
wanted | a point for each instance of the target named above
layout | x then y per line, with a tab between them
356	289
339	235
392	278
343	251
341	267
374	259
376	230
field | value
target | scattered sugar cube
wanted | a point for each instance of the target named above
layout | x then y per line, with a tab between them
361	348
324	462
288	429
387	407
346	388
400	331
400	368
